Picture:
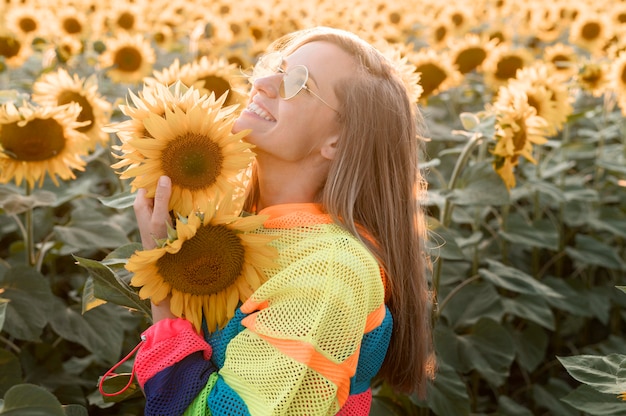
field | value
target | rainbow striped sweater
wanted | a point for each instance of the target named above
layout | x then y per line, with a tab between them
307	342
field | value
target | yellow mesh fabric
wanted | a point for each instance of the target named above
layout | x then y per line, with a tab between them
306	322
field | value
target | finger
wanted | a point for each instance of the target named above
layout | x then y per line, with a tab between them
160	209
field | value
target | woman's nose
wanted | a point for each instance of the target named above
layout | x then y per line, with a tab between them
268	85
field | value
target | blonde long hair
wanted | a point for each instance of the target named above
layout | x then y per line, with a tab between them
375	184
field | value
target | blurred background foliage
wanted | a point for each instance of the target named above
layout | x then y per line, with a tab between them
525	162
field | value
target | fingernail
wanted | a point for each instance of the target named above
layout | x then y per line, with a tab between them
164	181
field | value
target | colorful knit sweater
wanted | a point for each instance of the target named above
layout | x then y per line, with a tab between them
307	342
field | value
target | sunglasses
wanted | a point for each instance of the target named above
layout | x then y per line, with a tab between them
294	79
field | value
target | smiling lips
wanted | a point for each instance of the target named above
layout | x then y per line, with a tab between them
252	107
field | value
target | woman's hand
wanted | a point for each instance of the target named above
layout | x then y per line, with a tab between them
153	216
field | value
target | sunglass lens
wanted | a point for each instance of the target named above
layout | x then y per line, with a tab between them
293	81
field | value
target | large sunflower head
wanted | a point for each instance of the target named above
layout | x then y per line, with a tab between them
14	50
39	140
212	261
128	58
58	88
192	143
216	75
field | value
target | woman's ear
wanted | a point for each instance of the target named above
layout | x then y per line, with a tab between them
329	149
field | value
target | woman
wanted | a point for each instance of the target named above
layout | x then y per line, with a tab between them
336	172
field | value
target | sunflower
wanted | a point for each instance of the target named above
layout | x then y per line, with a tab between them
58	88
461	17
194	146
14	50
39	140
563	58
591	31
518	127
396	54
73	22
593	77
436	70
618	80
545	92
213	262
504	63
27	21
469	52
216	75
128	58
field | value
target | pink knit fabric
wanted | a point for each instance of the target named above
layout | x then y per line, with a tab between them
165	343
357	404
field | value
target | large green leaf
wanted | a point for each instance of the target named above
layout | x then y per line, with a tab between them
107	286
12	200
119	201
530	307
100	330
549	395
508	407
447	395
3	311
515	280
442	241
574	300
30	400
489	350
471	303
480	185
606	374
531	344
11	373
30	299
592	402
593	252
541	234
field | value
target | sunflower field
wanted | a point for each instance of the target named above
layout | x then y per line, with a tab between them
525	160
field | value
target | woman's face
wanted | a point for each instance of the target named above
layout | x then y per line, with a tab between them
297	128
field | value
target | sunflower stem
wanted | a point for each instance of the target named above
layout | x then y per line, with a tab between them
29	234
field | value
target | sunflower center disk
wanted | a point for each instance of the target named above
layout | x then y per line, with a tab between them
207	263
86	112
128	59
193	161
39	139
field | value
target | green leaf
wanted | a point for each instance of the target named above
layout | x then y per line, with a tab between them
3	311
593	252
549	396
515	280
108	287
606	374
116	384
471	303
531	344
489	350
508	407
90	301
541	234
592	402
441	241
75	410
14	202
530	307
11	373
119	201
447	395
31	400
480	185
99	330
94	235
30	301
